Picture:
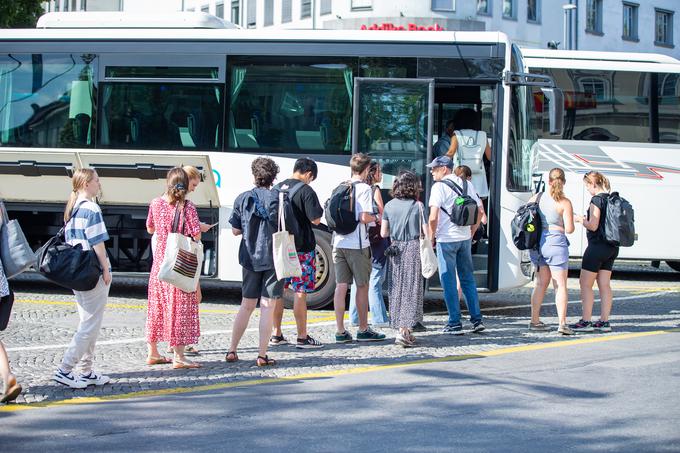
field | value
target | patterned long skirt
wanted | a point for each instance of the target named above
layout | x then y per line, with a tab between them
405	286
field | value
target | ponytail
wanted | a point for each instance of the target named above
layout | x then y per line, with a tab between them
81	178
557	181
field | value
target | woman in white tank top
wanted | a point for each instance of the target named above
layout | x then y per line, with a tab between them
468	147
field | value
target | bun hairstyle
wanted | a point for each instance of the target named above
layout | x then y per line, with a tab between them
463	171
177	185
80	179
598	180
557	181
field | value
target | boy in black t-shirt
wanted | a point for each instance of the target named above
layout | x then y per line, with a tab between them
308	212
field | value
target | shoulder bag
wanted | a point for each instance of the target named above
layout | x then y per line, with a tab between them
181	266
286	262
6	309
68	265
15	252
428	259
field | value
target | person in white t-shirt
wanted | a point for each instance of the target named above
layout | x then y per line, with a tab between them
352	257
453	244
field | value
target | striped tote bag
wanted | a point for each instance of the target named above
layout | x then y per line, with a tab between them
181	266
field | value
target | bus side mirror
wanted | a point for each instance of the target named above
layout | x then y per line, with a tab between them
555	109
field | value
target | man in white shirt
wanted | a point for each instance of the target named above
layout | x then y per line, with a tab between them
352	257
454	244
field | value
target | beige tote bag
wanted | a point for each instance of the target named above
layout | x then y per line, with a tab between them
181	266
428	259
286	260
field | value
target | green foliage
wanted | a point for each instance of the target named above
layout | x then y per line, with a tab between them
20	13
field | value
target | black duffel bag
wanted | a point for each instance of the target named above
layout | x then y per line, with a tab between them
68	265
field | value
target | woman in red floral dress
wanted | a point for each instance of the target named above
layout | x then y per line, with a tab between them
172	314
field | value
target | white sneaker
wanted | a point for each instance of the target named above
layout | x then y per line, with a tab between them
94	379
69	380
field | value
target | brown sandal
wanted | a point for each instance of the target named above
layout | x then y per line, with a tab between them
160	360
13	391
265	361
231	357
184	364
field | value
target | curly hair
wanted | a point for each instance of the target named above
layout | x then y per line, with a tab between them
264	170
406	186
372	172
177	184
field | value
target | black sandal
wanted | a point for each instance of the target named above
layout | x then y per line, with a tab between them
265	361
231	357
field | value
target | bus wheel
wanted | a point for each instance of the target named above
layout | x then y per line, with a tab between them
325	275
675	265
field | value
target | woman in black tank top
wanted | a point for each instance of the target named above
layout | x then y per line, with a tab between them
598	258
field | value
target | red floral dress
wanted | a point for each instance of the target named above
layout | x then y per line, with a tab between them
172	314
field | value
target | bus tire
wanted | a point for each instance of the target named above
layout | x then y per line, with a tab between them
325	275
675	265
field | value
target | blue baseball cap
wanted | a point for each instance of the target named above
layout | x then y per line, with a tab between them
441	161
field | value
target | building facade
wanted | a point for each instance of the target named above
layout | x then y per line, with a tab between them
611	25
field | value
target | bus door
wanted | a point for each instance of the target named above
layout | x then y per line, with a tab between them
392	122
130	180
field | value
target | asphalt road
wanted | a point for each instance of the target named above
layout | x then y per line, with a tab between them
616	395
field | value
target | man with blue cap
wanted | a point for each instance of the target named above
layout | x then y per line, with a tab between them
454	246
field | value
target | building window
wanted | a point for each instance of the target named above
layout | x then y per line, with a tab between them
252	13
326	7
594	16
219	10
443	5
509	9
286	11
268	12
83	5
305	9
484	7
533	10
236	11
362	5
630	21
205	8
597	87
664	28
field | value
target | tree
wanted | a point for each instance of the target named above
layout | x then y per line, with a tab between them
20	13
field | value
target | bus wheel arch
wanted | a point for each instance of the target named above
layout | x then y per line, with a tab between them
675	265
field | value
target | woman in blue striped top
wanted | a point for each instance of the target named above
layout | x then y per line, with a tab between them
85	226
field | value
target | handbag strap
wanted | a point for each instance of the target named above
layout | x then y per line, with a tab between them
73	214
4	218
179	211
282	217
422	221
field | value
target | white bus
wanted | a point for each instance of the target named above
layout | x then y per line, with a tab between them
134	102
622	118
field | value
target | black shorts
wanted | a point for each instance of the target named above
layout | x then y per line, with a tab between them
599	256
261	284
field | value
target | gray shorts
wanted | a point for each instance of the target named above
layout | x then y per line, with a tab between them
258	284
352	264
553	251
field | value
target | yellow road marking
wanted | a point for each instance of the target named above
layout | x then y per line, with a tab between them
332	373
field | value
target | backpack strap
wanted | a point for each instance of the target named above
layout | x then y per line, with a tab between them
292	190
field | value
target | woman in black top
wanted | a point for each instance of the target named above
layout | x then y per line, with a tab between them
598	259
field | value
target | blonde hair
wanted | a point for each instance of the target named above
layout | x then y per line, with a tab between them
597	179
177	185
80	179
557	181
192	172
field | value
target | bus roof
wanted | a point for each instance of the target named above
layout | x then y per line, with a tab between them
615	61
226	34
109	19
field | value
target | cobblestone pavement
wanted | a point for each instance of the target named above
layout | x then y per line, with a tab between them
44	320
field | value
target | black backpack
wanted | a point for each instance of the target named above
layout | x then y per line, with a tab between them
619	221
340	208
526	225
464	211
292	225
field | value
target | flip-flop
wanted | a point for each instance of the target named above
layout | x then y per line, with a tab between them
158	360
11	393
180	365
189	350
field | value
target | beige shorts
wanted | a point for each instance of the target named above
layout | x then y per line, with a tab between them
352	264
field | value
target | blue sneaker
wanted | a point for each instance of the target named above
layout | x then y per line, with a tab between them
456	329
344	337
370	335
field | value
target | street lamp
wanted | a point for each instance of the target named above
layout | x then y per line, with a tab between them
568	8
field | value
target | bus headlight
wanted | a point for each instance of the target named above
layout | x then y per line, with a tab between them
525	263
